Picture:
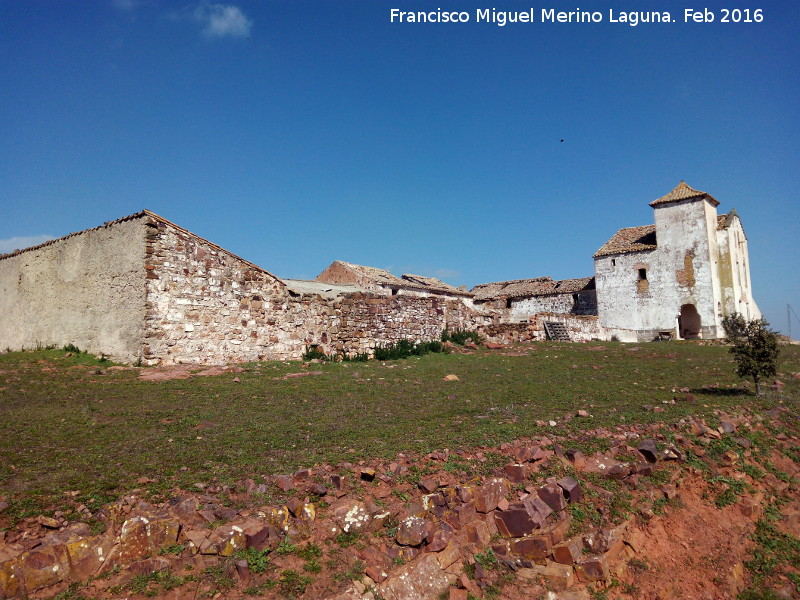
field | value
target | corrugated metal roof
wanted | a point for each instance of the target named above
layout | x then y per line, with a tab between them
683	192
630	239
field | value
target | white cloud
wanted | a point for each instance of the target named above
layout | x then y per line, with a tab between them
222	20
19	243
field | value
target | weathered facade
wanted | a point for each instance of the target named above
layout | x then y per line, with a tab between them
522	299
142	289
679	277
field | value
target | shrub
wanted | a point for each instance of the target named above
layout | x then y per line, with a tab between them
406	348
755	347
313	353
460	336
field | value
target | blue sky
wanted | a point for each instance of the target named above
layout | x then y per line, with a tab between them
297	132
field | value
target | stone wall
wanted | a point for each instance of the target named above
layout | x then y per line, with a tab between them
578	303
86	289
205	304
582	328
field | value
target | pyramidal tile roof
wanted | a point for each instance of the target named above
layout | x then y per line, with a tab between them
683	192
630	239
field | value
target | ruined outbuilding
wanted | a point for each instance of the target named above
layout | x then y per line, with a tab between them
143	289
677	278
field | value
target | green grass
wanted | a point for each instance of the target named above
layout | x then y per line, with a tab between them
64	426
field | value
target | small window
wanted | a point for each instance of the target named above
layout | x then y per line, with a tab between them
642	274
508	302
394	292
613	262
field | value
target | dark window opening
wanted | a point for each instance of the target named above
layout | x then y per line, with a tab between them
394	292
643	274
613	262
508	302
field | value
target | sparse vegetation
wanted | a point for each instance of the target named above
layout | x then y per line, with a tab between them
755	348
66	428
461	336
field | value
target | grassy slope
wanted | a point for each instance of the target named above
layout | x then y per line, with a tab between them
64	427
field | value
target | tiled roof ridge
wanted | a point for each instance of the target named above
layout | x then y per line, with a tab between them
683	191
511	281
434	283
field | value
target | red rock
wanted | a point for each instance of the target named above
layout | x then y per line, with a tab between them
537	507
478	533
350	515
516	521
532	547
469	585
568	552
577	459
556	576
488	496
294	505
412	531
558	531
552	495
438	541
284	483
367	474
593	568
420	579
516	473
458	593
572	489
429	485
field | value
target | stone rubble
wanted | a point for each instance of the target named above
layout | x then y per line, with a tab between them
416	540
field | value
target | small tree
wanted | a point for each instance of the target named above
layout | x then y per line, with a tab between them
755	347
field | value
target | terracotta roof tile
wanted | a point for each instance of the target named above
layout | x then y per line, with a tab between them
408	281
434	284
377	275
630	239
539	286
683	192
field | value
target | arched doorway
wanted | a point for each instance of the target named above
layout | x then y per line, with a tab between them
689	322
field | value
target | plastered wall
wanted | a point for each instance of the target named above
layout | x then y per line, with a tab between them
87	289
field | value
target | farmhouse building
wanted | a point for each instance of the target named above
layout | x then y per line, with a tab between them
678	277
143	289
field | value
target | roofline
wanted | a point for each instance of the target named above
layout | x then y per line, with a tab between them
138	215
141	214
212	244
